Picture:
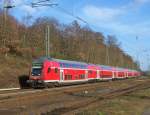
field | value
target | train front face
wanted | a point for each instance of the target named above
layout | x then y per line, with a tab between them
36	76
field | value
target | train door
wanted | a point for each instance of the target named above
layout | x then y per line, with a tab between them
117	74
61	75
86	74
125	74
113	74
98	74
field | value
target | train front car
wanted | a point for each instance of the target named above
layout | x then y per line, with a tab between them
36	75
45	72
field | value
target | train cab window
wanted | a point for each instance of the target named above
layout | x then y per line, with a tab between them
36	71
56	70
49	70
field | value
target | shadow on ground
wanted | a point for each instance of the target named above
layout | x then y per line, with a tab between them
23	81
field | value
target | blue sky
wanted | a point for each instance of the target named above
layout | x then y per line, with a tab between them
126	19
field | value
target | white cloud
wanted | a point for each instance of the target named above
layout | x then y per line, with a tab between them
18	2
117	21
140	29
113	20
28	9
101	14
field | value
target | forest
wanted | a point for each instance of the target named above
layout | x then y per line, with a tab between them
72	42
22	42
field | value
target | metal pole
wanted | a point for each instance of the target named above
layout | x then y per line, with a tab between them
122	59
5	20
107	55
47	41
6	7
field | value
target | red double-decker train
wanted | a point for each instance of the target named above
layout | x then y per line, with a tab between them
47	72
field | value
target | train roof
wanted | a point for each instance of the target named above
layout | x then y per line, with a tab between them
105	67
41	59
63	63
68	64
120	69
76	64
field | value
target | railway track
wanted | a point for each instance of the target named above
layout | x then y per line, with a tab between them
17	91
100	97
85	95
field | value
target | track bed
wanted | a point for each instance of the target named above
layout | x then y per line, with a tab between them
69	100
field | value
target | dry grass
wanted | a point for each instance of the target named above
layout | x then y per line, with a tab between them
11	68
136	103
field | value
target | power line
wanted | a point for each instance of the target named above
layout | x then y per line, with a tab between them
8	4
41	3
46	3
71	14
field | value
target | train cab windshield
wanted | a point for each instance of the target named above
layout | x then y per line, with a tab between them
36	71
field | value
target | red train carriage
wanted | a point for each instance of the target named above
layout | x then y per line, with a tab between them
47	71
93	72
121	73
126	73
106	72
136	73
132	73
129	74
72	71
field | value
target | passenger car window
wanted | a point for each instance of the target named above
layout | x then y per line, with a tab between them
49	70
56	70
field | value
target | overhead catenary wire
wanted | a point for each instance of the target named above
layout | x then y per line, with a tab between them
72	15
37	5
46	3
42	3
64	11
